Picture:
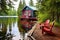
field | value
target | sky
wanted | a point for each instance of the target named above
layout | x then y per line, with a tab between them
27	3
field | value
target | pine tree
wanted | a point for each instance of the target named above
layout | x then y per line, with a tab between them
31	3
24	4
38	5
20	7
4	4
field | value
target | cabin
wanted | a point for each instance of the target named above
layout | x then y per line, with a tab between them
29	12
28	16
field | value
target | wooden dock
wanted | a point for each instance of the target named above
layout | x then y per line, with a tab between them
37	34
30	32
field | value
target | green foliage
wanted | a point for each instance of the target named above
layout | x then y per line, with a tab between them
57	24
20	7
48	8
5	7
31	3
12	12
24	4
42	17
4	4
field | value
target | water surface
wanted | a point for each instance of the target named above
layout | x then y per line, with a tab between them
9	29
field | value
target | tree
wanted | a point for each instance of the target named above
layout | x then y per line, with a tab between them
58	10
20	7
42	11
5	6
24	4
50	7
31	3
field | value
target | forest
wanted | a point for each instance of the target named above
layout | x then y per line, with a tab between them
46	9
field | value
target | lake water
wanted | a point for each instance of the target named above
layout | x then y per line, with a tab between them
10	29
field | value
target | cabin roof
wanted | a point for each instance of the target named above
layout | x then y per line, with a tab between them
34	8
31	7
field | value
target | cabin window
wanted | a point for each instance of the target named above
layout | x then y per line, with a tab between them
29	13
26	13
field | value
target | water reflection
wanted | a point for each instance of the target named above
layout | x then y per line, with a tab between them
9	29
3	31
